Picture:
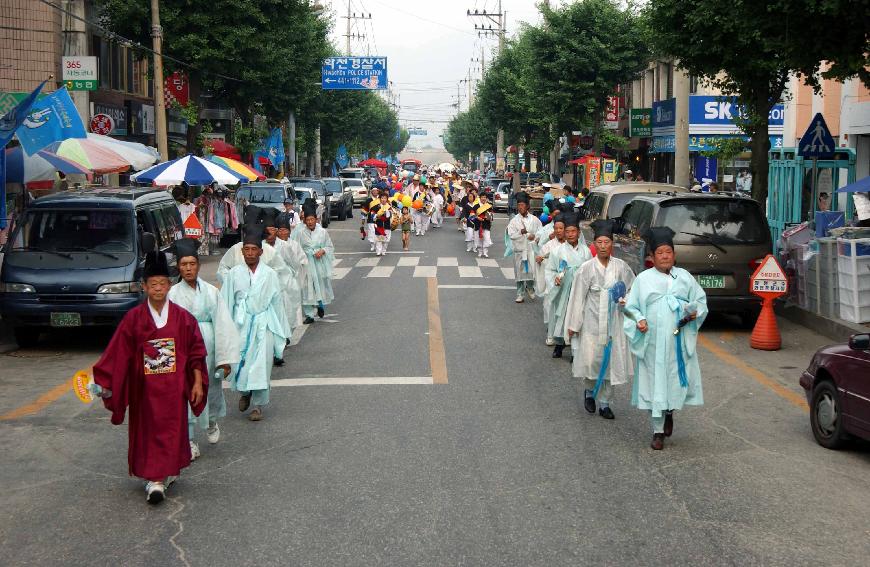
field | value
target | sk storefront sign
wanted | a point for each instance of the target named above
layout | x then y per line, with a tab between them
640	124
118	114
711	116
354	73
80	73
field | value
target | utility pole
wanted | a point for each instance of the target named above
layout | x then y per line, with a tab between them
350	17
159	104
497	18
682	172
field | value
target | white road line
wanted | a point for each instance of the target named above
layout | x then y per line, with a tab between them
487	263
470	272
368	262
508	273
336	262
426	272
462	286
370	252
448	261
339	273
381	272
409	261
353	381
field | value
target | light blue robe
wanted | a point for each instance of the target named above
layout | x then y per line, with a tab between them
257	306
663	299
317	275
563	261
220	336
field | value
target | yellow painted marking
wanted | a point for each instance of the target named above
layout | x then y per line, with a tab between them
44	400
437	359
760	377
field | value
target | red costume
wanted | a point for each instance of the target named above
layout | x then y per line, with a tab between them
151	371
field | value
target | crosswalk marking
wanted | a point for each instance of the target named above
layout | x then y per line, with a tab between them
409	261
487	263
448	261
508	273
470	272
336	262
339	273
381	272
426	271
368	262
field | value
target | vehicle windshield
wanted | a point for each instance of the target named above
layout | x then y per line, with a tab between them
714	222
314	186
303	194
412	167
333	186
76	231
261	194
618	201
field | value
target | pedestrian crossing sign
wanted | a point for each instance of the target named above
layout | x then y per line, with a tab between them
817	141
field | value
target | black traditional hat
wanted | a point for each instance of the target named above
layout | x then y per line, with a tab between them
309	208
155	265
252	233
570	218
658	236
282	221
602	227
269	217
522	197
253	214
185	247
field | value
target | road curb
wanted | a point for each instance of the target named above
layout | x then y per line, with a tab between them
835	329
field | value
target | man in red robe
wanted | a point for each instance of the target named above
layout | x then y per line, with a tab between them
155	364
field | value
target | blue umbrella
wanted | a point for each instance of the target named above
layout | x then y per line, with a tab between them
189	169
860	186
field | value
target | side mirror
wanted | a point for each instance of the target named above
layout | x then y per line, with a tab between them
147	243
859	342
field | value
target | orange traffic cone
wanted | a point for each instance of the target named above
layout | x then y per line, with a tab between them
765	334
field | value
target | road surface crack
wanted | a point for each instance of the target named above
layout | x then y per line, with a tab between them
182	556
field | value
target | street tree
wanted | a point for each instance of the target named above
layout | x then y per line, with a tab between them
750	50
470	132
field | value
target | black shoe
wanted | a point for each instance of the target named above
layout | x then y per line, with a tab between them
244	402
320	312
278	361
589	404
308	321
669	423
658	442
606	413
557	351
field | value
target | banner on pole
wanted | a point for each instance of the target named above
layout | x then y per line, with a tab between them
51	119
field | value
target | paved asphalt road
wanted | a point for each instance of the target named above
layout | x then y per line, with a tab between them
499	466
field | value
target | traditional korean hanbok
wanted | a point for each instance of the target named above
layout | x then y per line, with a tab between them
562	262
523	251
317	274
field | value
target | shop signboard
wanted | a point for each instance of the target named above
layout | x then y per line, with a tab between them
706	168
611	115
664	114
707	142
79	73
640	123
176	90
710	115
118	114
141	118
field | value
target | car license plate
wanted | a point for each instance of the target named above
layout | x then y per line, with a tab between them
711	282
66	319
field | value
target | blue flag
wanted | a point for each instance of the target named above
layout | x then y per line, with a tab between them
341	156
275	148
12	120
51	119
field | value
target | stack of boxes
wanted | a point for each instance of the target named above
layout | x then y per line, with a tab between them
853	265
822	281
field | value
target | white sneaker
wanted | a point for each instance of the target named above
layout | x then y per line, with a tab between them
194	451
154	492
485	254
213	433
531	293
550	341
519	299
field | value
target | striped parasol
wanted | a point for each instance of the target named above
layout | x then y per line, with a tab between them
188	169
88	154
237	167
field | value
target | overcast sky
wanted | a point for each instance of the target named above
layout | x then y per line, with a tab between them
429	46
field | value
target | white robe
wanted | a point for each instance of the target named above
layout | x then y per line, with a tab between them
257	308
523	248
541	284
317	274
296	260
563	262
587	316
219	334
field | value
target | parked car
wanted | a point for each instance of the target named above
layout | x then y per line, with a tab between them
356	173
75	258
267	194
720	239
358	189
608	201
490	184
340	197
501	196
316	190
837	385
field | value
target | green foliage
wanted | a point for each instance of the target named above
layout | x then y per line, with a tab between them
246	139
726	149
750	49
611	140
470	132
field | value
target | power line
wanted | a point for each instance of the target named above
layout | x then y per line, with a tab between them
129	43
419	17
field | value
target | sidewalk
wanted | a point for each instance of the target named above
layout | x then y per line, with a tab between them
835	329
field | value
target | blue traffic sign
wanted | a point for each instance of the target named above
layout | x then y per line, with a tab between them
354	73
817	141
